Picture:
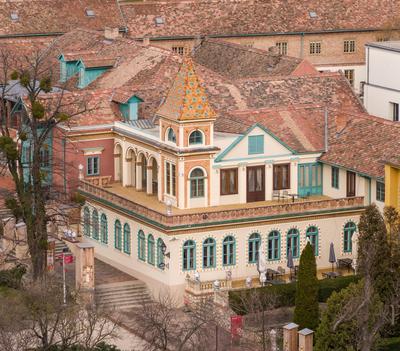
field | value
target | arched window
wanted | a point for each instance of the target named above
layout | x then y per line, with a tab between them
274	245
141	246
127	238
349	229
254	246
197	183
117	235
95	224
196	137
171	135
86	221
160	253
150	249
228	251
312	234
103	229
209	253
189	255
293	242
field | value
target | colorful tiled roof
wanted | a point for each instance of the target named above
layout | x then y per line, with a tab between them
186	99
243	17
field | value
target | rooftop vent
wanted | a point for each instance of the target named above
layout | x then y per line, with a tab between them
89	13
313	14
159	21
14	16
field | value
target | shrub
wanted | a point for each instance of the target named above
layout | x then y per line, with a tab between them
12	278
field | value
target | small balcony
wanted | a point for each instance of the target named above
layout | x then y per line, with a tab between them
142	206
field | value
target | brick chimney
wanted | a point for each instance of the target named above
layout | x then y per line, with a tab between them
111	33
146	41
273	50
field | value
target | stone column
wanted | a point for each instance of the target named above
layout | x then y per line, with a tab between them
149	180
306	340
290	339
9	227
84	270
138	176
21	247
269	177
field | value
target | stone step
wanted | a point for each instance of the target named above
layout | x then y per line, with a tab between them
121	288
116	285
122	300
141	296
129	305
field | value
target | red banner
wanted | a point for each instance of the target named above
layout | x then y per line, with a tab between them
236	326
68	259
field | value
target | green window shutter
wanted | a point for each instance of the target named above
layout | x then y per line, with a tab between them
256	144
335	177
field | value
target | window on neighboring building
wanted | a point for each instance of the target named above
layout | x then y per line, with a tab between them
349	230
350	184
254	246
380	191
127	238
312	235
189	255
394	110
44	157
209	253
95	225
335	177
349	46
86	221
117	235
141	246
171	135
282	47
170	178
103	229
380	39
274	245
281	176
181	50
196	137
293	242
160	253
315	47
256	144
229	181
197	183
349	74
228	251
150	249
93	166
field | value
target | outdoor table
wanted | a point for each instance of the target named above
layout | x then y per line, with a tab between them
293	196
272	273
345	262
330	274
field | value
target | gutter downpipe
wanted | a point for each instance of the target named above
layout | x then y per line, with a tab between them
326	129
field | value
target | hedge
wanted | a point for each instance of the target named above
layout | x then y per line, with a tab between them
284	294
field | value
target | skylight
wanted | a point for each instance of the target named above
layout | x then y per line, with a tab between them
313	14
159	21
14	16
89	13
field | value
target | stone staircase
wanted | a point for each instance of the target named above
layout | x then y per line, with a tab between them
5	213
122	295
60	246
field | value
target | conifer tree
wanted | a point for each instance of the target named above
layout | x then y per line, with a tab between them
306	312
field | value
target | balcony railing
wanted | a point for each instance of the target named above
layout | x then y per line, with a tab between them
202	218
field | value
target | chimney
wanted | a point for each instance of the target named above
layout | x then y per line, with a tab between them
340	122
146	41
273	50
111	33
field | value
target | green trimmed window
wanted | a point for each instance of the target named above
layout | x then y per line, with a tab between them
117	235
293	242
141	246
196	138
160	254
274	245
228	251
197	183
256	144
150	249
380	191
209	249
95	225
189	255
104	229
127	239
335	177
254	246
86	221
93	165
349	229
312	234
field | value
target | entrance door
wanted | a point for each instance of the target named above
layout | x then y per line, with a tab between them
351	184
310	179
255	183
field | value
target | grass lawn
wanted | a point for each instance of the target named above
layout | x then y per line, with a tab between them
390	344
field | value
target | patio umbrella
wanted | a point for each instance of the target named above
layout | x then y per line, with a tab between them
261	263
290	264
332	256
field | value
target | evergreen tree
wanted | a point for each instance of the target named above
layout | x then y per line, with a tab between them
306	312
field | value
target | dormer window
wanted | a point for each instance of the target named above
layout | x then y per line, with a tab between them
196	138
14	16
171	135
159	21
130	109
89	13
313	14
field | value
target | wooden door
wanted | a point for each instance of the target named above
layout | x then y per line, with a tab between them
350	184
255	183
